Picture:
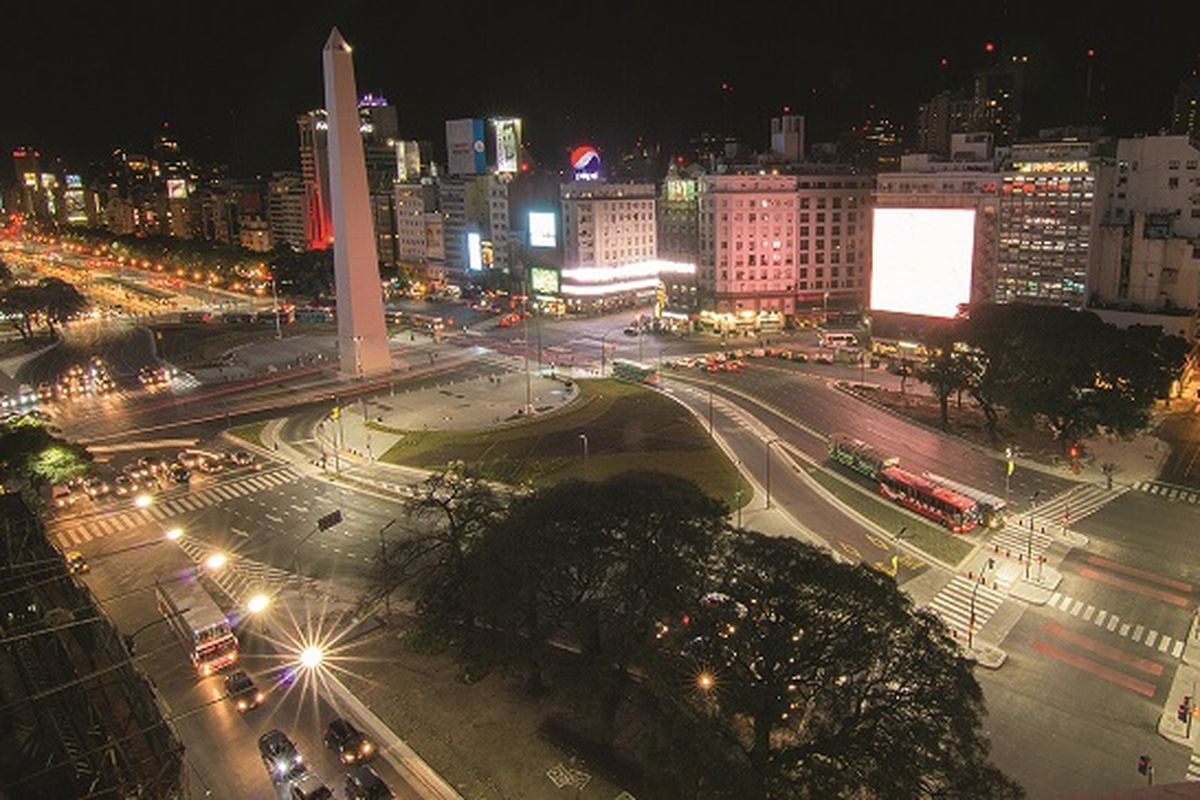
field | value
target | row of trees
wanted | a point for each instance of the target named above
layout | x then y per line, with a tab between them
1069	368
50	300
33	458
736	664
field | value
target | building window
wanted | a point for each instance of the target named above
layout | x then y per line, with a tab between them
1173	183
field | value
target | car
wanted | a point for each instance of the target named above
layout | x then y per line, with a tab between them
280	756
307	786
240	458
823	358
76	563
149	466
96	487
62	496
180	473
190	458
136	471
630	331
347	742
242	691
209	466
124	485
363	783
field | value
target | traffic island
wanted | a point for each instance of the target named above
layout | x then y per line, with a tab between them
1180	717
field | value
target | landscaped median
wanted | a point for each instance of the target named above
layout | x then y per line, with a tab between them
621	427
932	540
250	432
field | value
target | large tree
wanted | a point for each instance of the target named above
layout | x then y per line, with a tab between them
22	303
827	682
946	371
60	301
31	457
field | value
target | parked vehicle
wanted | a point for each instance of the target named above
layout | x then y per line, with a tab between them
348	743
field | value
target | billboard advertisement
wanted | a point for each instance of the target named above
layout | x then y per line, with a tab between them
921	260
464	145
544	280
177	189
543	229
585	163
474	252
508	144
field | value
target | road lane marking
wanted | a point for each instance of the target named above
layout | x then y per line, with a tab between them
1087	615
1124	628
1150	637
1054	598
1128	585
1113	566
1075	608
239	532
1100	617
1137	633
273	518
1102	649
1178	650
1065	604
1094	667
1164	643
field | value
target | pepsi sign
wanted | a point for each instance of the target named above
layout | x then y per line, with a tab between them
585	161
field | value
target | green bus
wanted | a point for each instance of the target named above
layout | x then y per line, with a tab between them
634	371
859	456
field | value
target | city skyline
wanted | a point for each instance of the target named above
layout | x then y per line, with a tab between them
657	76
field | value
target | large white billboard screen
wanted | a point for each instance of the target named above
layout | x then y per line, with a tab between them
921	260
543	229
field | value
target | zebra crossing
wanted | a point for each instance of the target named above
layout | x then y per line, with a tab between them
1075	504
76	533
1101	618
1169	491
1017	541
241	577
1193	770
953	604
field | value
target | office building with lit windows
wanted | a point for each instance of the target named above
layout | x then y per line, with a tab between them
1052	201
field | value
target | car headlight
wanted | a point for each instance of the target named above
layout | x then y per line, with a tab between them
347	757
258	697
366	747
241	704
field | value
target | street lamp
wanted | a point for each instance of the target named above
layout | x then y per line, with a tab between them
216	561
737	497
1029	542
258	603
974	590
584	439
705	681
770	442
143	501
311	656
174	534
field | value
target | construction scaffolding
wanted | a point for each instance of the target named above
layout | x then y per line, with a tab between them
77	718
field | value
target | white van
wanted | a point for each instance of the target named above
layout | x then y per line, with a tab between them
838	339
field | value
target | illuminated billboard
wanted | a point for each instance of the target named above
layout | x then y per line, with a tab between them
177	188
544	280
543	229
585	162
508	144
464	145
474	252
921	260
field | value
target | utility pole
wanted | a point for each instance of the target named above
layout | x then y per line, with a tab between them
583	437
275	299
387	589
769	443
737	496
710	411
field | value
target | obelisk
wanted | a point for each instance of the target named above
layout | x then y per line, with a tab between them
362	332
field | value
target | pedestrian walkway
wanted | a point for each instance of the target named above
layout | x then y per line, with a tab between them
955	602
1169	491
78	531
1193	770
1101	618
1019	542
241	578
1075	504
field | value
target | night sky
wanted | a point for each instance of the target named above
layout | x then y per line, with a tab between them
80	79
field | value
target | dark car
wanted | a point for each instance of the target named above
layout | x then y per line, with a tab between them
242	691
307	786
347	742
363	783
180	473
240	458
279	755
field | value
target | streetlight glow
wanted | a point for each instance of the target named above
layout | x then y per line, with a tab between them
215	561
175	534
143	501
258	603
310	657
705	681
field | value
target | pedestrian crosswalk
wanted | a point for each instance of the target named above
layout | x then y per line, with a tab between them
241	578
963	600
1193	770
1169	491
1139	634
1019	542
1074	504
76	532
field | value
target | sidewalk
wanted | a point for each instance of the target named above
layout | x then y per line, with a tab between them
1186	684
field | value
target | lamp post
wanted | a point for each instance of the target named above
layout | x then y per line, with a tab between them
1029	541
974	591
584	439
770	442
737	498
275	299
710	410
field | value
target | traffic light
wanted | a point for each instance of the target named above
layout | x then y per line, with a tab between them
1143	765
1074	451
1184	707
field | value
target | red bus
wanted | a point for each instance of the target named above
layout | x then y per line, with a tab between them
945	506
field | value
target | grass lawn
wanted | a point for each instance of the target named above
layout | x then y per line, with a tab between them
932	539
250	432
13	346
202	344
628	427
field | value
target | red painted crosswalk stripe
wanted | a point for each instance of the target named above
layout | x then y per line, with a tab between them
1094	667
1102	649
1113	566
1134	586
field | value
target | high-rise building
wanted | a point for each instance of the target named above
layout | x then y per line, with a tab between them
1051	205
285	210
945	114
678	214
314	167
998	99
255	234
1158	175
476	215
783	245
787	138
414	201
873	146
608	225
466	150
1185	110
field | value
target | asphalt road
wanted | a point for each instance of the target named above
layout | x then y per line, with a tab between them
1078	700
1182	466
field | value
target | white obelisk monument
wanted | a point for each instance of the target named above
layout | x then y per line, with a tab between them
362	332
